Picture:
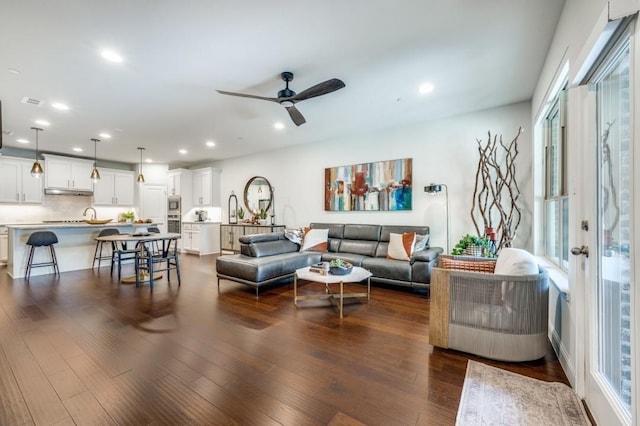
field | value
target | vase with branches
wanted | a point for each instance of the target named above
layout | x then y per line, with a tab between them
496	192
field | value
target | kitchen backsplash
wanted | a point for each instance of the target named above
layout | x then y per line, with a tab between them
56	207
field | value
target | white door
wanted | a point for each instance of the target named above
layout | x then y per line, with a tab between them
154	204
607	245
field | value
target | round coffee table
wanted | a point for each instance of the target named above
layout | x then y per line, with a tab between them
356	275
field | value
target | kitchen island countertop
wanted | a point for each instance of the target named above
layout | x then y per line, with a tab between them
74	250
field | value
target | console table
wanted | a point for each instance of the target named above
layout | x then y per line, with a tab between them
229	234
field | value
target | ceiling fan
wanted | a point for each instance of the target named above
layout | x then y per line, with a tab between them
288	98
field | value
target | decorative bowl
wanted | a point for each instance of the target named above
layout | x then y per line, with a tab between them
97	221
344	269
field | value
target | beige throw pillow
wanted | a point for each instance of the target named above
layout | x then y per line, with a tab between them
401	246
315	240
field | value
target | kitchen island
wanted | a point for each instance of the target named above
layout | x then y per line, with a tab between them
75	248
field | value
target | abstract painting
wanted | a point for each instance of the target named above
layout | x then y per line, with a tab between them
379	186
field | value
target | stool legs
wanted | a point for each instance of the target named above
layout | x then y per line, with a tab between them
31	265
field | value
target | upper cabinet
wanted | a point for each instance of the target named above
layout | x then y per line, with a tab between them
115	188
206	187
68	173
179	183
18	186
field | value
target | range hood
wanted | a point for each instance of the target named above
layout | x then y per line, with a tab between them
68	191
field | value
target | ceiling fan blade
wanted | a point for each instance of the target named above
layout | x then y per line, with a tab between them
319	89
242	95
295	115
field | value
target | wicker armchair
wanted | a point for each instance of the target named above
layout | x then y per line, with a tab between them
501	317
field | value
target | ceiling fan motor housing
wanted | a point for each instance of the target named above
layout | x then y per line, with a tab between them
286	93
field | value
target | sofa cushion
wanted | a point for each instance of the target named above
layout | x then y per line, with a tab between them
386	230
362	232
352	258
362	247
389	269
257	270
336	230
514	261
315	240
401	245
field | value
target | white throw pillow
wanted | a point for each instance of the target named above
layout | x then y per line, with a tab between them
315	240
401	245
514	261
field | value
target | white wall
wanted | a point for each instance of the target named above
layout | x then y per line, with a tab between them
443	152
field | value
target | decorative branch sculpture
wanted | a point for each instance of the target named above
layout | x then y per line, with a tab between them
496	191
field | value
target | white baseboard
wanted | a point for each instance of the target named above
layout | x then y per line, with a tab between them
563	355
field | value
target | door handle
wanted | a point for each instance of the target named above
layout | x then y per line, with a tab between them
577	251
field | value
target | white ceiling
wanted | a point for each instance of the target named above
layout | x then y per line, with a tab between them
477	54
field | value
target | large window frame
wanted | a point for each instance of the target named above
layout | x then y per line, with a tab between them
556	196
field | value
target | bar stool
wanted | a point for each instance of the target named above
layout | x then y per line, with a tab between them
97	254
42	239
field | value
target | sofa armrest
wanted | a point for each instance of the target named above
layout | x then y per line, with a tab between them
427	255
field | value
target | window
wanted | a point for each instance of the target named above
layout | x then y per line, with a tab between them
556	200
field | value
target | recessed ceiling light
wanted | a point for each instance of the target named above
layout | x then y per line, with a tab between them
111	55
13	71
60	106
182	151
210	144
148	160
77	149
278	125
42	122
21	140
425	88
105	135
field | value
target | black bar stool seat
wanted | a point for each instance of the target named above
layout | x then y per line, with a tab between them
42	239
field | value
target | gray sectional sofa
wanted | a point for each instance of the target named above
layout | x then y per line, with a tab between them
271	258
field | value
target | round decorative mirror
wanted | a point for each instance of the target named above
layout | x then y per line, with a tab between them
258	194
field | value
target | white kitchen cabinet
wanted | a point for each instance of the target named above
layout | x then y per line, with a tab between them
68	173
18	186
4	244
179	183
206	187
201	238
115	188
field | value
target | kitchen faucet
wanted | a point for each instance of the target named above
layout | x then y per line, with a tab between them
93	216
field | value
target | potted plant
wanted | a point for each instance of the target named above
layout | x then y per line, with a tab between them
263	216
472	245
241	213
127	216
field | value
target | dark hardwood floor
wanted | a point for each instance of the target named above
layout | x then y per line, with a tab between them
83	349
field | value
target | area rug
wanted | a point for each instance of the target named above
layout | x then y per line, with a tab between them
492	396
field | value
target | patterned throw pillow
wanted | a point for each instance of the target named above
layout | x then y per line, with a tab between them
294	235
315	240
422	242
401	246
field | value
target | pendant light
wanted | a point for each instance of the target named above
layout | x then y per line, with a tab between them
36	169
95	174
140	175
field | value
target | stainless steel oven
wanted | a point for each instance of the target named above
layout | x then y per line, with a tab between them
173	225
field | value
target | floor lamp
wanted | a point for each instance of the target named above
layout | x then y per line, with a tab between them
434	188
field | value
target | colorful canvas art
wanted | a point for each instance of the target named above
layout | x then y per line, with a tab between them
379	186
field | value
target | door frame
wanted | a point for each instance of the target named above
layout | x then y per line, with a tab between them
602	403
